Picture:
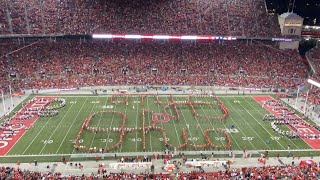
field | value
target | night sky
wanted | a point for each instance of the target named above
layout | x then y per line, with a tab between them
308	9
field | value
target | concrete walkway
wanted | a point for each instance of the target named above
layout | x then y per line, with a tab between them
10	106
90	167
299	105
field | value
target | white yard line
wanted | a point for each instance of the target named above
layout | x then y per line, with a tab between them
210	124
174	125
198	124
137	115
241	130
125	112
265	128
82	111
221	122
90	113
43	128
149	123
248	124
37	134
109	132
93	107
160	95
260	124
186	124
69	127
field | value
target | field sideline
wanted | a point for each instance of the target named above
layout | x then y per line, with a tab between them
55	135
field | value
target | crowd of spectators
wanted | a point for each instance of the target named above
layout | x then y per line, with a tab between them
314	96
314	56
218	17
314	93
310	171
71	64
276	172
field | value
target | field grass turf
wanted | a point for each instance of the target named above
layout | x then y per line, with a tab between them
56	135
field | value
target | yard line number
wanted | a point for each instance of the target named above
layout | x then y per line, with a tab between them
107	107
219	138
247	138
95	102
48	141
136	139
193	139
161	139
275	138
233	130
106	140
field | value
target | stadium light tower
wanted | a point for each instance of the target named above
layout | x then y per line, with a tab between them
4	106
312	82
315	83
10	91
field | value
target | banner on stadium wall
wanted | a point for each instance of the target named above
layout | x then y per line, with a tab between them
306	162
17	94
165	88
130	165
68	89
123	91
169	167
205	163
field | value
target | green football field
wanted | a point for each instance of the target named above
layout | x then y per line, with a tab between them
56	135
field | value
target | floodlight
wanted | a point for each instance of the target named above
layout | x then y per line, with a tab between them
146	37
132	36
189	37
102	36
313	82
160	37
118	36
174	37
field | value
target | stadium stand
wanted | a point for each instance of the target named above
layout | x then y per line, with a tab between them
241	18
314	56
72	64
310	171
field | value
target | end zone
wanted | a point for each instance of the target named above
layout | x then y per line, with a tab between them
14	129
304	129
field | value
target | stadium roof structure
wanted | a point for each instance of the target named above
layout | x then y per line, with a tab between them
289	15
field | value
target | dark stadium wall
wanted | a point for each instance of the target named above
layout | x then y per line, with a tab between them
308	9
306	45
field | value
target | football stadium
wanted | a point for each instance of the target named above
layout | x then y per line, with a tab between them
189	89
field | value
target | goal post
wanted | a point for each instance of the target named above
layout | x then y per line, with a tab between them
313	83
